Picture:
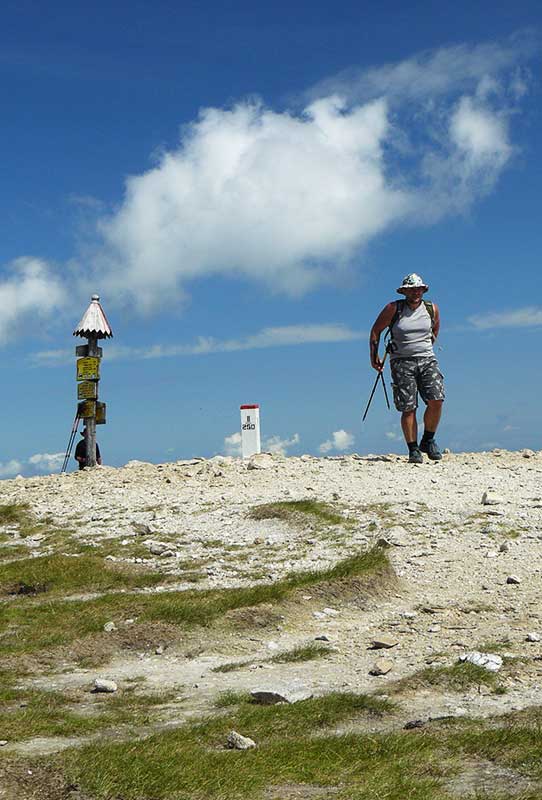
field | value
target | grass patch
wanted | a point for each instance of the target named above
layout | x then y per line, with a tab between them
456	678
27	713
296	749
32	626
61	574
231	698
299	511
303	652
14	514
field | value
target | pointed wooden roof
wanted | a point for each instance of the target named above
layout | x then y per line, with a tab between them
94	321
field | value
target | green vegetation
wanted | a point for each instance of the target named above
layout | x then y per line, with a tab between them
303	652
13	514
61	574
296	747
299	512
27	713
456	678
32	626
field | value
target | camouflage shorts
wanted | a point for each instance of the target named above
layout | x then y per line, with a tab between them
412	375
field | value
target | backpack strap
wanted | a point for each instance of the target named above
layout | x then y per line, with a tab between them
399	306
431	311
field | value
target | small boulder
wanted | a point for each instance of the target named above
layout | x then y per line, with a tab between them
533	637
272	696
383	642
109	627
237	742
261	461
491	498
513	580
103	685
381	667
489	661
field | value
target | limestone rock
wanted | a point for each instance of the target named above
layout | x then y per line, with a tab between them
381	667
236	741
513	580
489	661
109	627
383	642
491	498
104	685
533	637
260	461
272	696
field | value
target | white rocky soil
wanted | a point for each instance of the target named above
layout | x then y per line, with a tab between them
463	535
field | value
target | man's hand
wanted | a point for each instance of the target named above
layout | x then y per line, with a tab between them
377	364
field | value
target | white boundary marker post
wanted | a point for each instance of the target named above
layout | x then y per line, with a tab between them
250	430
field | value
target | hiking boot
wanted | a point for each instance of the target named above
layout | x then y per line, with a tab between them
415	456
431	448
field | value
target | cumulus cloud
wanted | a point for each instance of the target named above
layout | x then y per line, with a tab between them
46	462
39	463
232	445
528	317
280	336
274	444
10	468
29	291
290	199
340	440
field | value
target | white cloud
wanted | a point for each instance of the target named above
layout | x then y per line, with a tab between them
287	335
391	435
431	73
30	292
340	440
10	469
290	199
46	462
232	445
531	316
281	199
274	444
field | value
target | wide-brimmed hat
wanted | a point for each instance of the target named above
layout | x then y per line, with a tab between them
412	281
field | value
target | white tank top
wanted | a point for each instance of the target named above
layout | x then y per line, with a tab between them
412	333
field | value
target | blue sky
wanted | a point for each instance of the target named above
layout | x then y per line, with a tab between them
245	188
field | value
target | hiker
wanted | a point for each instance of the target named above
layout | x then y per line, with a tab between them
413	325
81	451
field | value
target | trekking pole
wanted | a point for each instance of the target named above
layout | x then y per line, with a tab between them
70	443
380	376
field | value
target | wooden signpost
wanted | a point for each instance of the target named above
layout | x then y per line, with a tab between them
93	326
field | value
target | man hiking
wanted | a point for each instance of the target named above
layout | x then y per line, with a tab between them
413	325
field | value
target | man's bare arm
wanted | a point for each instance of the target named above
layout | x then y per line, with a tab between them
381	323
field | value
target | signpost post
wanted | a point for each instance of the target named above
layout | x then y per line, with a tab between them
93	326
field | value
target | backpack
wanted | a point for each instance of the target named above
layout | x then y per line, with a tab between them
399	308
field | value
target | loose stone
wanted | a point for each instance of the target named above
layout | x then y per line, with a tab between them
236	741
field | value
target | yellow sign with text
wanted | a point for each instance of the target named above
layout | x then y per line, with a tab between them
87	390
86	409
88	369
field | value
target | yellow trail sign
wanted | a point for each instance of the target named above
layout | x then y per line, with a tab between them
87	390
88	369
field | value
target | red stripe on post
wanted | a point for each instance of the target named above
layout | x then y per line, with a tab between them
256	406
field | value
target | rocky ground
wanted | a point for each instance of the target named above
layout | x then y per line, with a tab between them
463	537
